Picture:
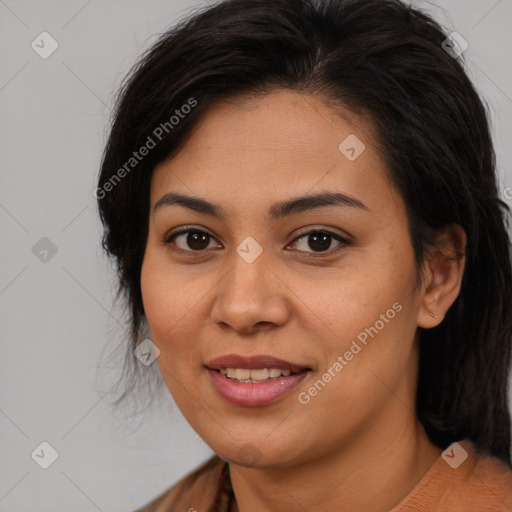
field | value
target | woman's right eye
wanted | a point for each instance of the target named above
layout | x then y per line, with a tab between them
189	240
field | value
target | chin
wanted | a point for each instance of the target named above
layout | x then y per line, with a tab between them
249	455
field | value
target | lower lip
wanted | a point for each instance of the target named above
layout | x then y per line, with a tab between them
256	394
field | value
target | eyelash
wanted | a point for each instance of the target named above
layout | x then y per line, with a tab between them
167	240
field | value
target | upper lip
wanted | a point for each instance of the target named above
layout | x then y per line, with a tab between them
253	363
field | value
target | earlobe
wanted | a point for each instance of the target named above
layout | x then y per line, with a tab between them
432	314
443	276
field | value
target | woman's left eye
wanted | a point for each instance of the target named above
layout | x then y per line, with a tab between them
320	240
198	240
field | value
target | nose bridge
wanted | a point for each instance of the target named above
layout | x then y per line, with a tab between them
249	293
246	283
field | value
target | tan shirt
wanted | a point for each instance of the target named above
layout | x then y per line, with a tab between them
480	483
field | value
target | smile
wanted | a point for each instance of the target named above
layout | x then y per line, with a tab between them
253	381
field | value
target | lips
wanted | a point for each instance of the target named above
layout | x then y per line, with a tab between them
253	393
257	362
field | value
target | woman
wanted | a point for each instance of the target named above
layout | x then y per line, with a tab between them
301	200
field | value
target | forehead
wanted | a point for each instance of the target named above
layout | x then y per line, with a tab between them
279	144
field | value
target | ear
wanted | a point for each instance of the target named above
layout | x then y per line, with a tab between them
443	270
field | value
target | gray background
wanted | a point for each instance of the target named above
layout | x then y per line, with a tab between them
57	319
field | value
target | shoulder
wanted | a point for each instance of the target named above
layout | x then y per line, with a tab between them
194	490
464	479
490	483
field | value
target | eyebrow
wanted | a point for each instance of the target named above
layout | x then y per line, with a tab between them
277	211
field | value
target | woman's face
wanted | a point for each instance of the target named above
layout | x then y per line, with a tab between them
338	307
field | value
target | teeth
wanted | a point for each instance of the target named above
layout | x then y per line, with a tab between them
244	374
262	374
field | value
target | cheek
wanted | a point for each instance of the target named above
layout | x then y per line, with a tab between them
368	318
157	294
174	304
376	328
354	298
163	297
364	366
168	307
165	293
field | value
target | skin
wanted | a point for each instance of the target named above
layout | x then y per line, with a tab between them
357	445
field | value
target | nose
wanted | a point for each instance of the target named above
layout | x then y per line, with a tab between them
251	297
